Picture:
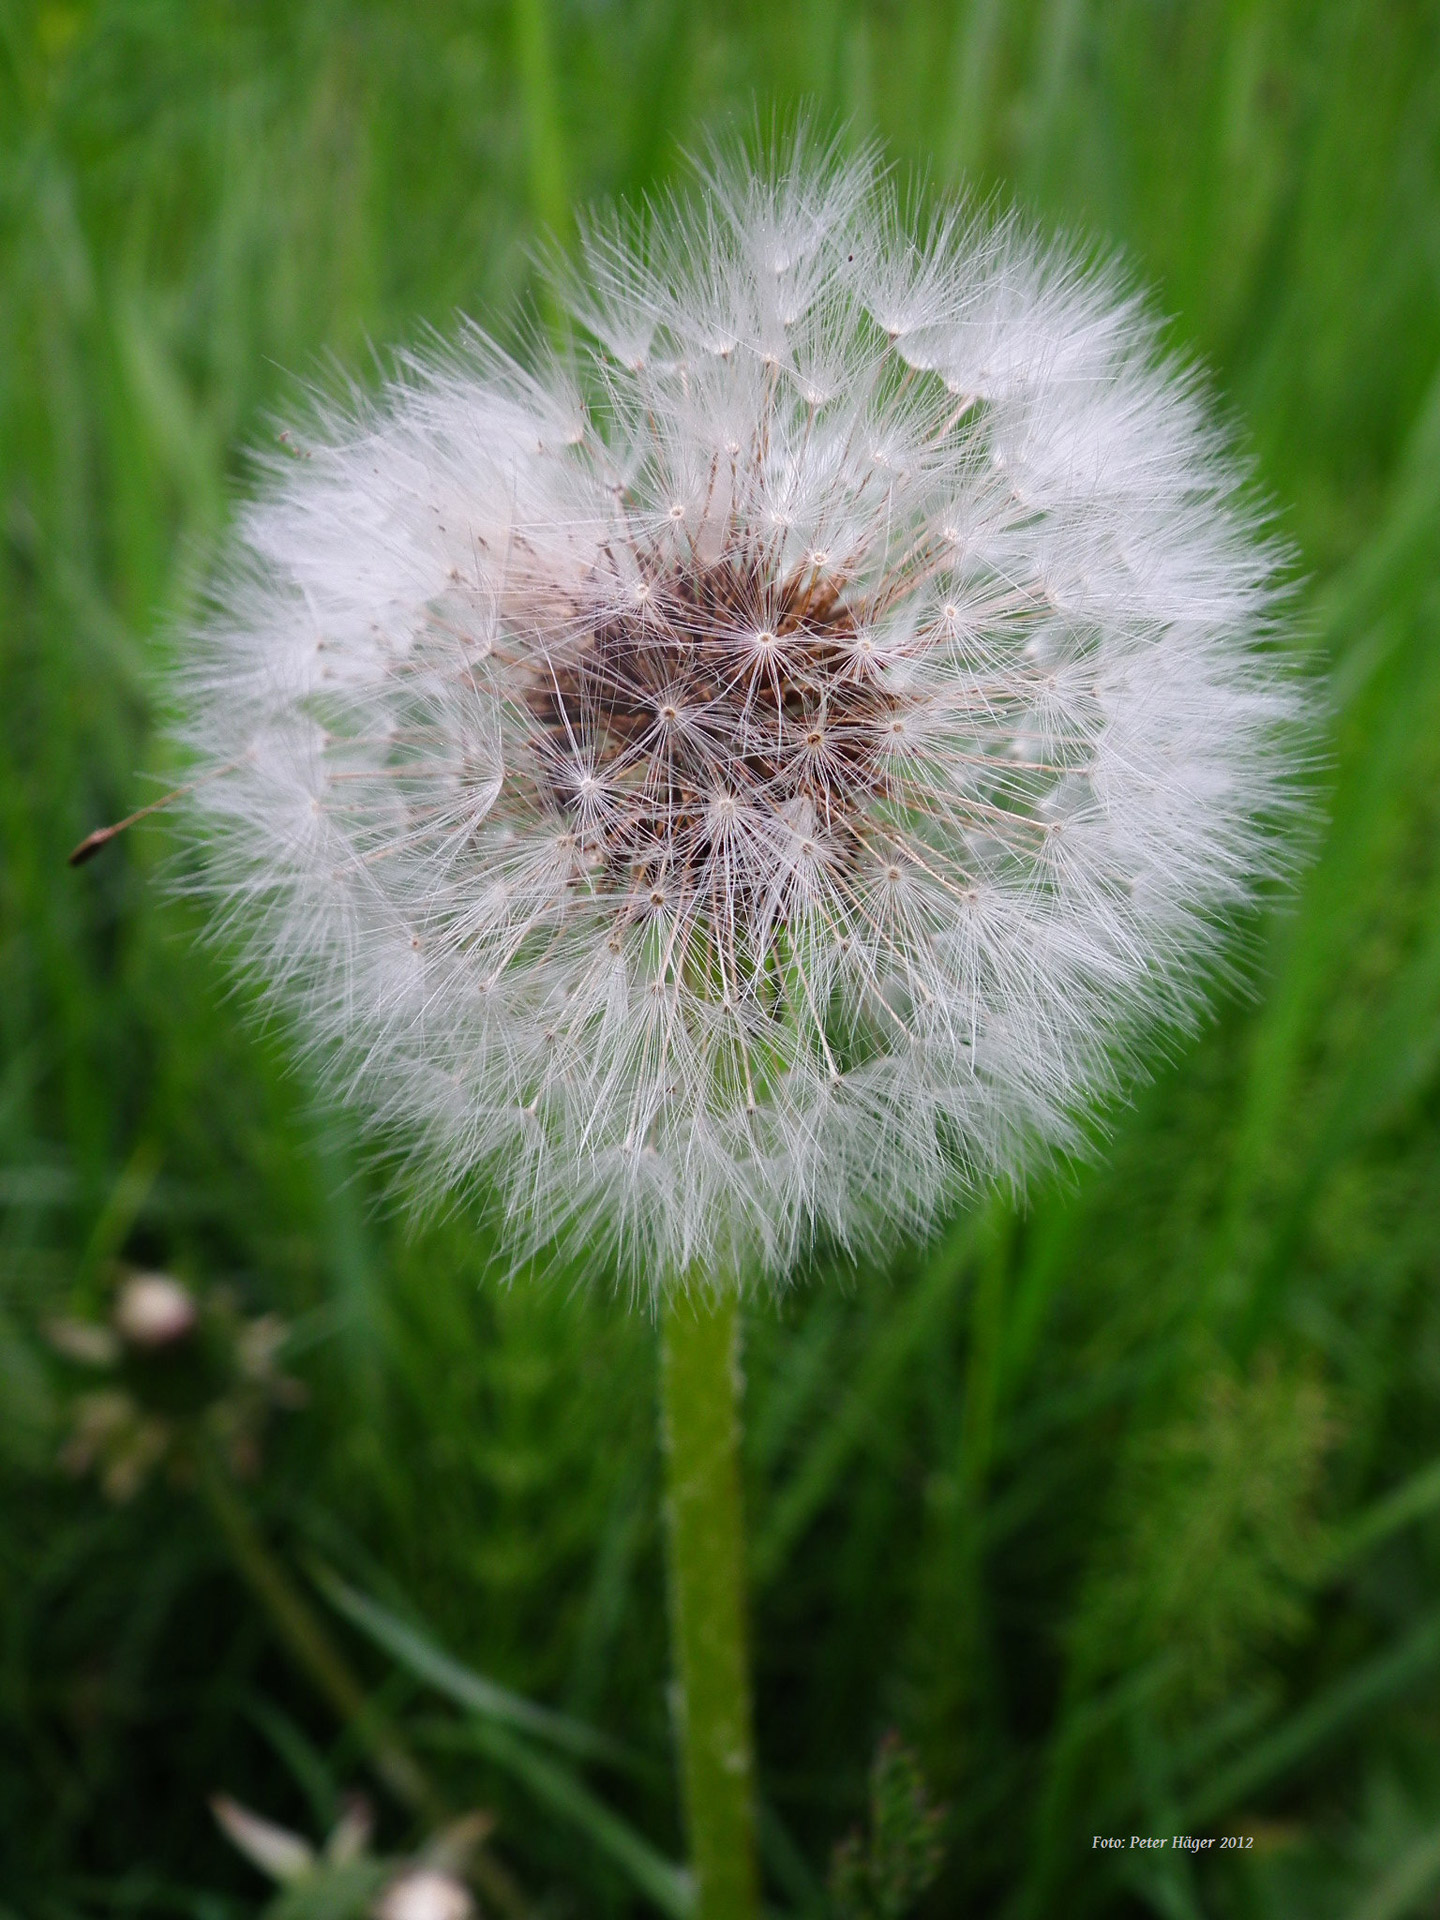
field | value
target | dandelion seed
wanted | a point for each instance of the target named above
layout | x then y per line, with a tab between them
860	714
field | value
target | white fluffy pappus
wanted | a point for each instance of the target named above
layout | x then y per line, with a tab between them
757	773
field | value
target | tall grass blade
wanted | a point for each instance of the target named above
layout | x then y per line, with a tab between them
419	1655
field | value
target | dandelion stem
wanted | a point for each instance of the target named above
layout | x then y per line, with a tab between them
700	1390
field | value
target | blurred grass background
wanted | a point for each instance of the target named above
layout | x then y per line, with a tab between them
1125	1506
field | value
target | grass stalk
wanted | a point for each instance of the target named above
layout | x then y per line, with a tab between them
317	1656
700	1393
306	1640
544	138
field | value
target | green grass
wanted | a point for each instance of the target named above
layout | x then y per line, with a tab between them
1123	1505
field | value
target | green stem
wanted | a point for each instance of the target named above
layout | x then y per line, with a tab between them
316	1654
545	144
700	1389
539	91
309	1644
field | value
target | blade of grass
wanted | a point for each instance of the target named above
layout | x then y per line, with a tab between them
1080	1723
1402	1047
418	1653
1405	1883
544	140
901	1335
1322	1719
1414	1499
668	1885
1389	721
309	1644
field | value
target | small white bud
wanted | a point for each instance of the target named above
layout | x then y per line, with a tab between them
151	1310
424	1893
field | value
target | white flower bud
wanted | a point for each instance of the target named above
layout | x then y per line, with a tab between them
425	1894
151	1310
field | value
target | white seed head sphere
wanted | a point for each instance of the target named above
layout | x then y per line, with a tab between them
758	773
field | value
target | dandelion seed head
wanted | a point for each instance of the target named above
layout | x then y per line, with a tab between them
759	777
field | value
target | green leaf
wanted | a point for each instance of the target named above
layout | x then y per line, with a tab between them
332	1893
1406	1883
668	1885
1362	1688
421	1656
